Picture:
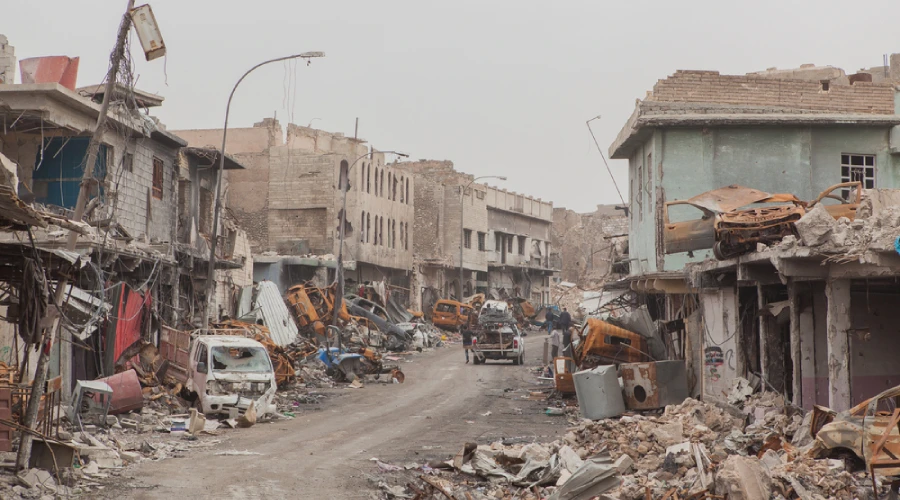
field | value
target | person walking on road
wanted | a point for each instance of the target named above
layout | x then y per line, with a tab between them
467	335
549	320
565	320
555	339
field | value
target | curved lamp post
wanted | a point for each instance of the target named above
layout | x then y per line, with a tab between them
462	231
344	180
211	277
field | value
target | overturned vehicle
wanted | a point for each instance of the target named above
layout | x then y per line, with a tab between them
736	218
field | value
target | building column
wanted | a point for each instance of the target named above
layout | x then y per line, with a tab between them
797	382
764	324
837	292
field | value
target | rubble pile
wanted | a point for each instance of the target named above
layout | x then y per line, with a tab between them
873	229
692	450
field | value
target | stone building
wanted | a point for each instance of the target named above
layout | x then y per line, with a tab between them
590	248
289	200
792	317
505	238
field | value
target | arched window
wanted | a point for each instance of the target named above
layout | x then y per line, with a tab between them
368	226
381	181
406	243
362	227
381	225
401	235
402	195
344	179
389	183
408	201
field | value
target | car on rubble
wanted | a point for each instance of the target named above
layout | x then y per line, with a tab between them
228	373
736	218
450	314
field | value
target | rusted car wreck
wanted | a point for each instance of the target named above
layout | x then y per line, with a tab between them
736	218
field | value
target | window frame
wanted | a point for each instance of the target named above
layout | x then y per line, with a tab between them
159	177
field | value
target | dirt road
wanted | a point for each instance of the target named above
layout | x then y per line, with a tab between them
325	453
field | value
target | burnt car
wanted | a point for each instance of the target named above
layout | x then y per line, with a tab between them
396	338
735	218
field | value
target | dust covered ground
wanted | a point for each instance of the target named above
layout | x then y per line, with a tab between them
326	451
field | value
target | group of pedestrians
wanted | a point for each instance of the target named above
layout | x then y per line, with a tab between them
560	333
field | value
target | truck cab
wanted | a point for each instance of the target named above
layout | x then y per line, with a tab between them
227	373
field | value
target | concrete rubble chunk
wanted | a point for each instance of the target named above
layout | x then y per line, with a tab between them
743	478
815	227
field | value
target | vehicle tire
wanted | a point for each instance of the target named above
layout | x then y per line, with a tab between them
476	360
517	360
522	358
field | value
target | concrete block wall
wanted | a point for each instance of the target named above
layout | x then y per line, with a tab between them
135	188
710	86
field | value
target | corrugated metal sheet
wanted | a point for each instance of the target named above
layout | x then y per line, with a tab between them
275	313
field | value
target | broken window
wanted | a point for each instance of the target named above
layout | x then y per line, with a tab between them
467	238
158	176
401	234
407	192
362	228
857	167
206	211
394	189
128	162
368	226
479	195
240	359
521	245
509	240
369	178
482	245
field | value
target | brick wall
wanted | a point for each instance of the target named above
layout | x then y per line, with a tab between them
711	87
289	226
580	248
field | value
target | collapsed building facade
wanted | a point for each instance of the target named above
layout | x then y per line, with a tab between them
142	253
813	322
289	200
505	238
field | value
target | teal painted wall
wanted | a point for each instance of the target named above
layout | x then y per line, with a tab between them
684	162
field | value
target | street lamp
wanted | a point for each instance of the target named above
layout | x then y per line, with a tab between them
211	276
344	180
462	231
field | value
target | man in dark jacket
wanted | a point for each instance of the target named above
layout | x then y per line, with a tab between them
565	320
467	335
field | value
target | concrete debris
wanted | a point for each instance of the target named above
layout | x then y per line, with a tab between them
815	227
693	448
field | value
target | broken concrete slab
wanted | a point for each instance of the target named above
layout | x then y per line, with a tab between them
815	227
743	478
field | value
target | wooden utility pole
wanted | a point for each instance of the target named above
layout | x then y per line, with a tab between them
47	339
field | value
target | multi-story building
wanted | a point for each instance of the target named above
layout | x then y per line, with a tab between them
505	238
289	199
141	258
791	316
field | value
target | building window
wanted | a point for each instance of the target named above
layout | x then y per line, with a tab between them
393	189
498	242
482	245
368	226
389	185
381	187
362	228
369	178
381	225
467	238
407	192
406	243
508	243
521	245
128	162
393	233
857	168
158	176
479	195
402	197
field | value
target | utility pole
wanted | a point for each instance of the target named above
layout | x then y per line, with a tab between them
40	373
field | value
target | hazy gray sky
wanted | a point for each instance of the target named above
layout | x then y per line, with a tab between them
498	87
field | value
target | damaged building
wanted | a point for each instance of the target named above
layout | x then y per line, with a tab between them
142	254
590	248
289	200
725	172
506	238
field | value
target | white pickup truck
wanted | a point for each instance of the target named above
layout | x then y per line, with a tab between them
499	342
227	373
